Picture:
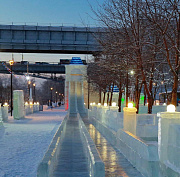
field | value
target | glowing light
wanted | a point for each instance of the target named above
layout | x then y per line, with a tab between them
11	62
35	103
113	103
27	77
99	104
105	104
26	103
171	108
31	103
38	103
132	72
130	105
164	104
91	104
34	84
157	103
5	104
94	103
84	103
51	88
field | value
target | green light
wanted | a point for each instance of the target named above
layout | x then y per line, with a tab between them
142	97
122	99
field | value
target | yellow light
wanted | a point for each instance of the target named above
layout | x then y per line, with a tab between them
31	103
171	108
105	104
113	103
130	105
99	104
37	103
11	62
51	88
94	103
26	103
5	104
157	103
29	82
34	84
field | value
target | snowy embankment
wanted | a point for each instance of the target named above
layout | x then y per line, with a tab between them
24	142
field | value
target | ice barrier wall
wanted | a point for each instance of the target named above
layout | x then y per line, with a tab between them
95	164
46	167
143	155
143	150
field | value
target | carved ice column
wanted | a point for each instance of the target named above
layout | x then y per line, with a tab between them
18	104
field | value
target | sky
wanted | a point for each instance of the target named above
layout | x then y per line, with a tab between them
45	12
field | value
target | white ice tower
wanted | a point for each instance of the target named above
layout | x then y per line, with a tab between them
74	95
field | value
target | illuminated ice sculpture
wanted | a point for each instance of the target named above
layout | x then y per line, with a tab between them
129	121
18	104
74	95
168	141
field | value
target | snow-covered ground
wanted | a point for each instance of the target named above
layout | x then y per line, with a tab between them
24	142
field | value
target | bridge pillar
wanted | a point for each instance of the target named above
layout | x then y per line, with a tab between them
74	95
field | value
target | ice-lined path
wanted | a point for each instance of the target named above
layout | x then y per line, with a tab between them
72	161
24	142
116	164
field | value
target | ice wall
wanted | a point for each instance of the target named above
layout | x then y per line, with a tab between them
18	104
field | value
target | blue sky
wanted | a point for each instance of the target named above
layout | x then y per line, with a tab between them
44	12
47	11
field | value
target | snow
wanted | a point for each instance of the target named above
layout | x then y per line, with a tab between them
24	142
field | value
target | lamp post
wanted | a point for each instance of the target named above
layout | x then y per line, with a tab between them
56	97
34	86
51	95
11	62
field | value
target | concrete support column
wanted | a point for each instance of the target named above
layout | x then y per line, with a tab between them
130	121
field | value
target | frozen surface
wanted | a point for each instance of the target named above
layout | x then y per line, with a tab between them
24	142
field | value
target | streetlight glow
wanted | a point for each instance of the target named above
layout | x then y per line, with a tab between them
132	72
171	108
11	62
130	105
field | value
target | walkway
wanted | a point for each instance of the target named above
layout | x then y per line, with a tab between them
116	164
72	160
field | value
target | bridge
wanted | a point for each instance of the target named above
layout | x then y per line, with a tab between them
50	39
33	68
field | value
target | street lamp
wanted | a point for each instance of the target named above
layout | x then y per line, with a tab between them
11	62
51	95
56	97
34	86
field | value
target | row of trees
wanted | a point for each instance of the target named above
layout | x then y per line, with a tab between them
41	93
143	36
